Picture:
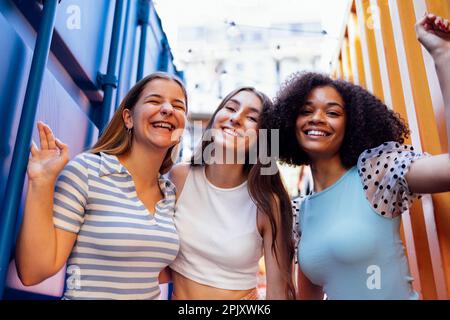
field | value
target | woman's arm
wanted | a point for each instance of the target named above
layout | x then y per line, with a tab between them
42	249
432	174
178	175
276	283
433	33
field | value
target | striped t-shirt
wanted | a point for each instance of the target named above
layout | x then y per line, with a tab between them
121	247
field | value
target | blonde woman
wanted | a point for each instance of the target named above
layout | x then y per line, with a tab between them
110	216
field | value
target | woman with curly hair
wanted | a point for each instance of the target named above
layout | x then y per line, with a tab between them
364	179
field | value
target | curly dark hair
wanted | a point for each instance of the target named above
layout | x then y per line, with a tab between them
369	122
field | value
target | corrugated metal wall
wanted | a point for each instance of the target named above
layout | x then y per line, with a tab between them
71	99
380	52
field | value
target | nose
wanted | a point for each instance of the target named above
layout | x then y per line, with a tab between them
317	117
236	118
166	109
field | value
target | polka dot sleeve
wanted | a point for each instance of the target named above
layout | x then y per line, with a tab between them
296	225
382	171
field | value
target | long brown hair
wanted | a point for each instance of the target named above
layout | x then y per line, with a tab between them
267	191
116	140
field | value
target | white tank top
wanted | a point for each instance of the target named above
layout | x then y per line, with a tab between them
220	245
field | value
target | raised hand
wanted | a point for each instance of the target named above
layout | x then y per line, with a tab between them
433	32
48	161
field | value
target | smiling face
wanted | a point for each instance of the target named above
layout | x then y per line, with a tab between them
235	125
159	116
320	125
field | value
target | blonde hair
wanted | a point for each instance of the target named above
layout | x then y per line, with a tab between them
116	140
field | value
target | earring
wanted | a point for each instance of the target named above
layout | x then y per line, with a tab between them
129	131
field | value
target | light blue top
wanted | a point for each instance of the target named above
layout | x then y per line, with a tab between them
346	246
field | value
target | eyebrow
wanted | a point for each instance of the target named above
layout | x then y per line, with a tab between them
329	104
251	108
235	101
154	95
254	110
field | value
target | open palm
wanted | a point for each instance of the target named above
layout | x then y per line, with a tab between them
48	161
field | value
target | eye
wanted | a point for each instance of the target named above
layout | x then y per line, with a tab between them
305	111
179	107
252	119
333	114
153	102
230	108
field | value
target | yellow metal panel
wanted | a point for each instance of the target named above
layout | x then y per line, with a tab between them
395	84
340	70
414	227
364	9
346	64
418	223
412	93
441	8
418	77
398	104
355	47
428	133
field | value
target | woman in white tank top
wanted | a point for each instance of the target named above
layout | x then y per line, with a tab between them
228	214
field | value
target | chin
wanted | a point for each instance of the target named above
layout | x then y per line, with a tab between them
225	145
314	149
224	142
162	144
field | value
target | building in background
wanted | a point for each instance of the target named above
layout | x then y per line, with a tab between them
222	45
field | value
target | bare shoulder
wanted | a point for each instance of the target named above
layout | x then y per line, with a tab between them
178	175
180	170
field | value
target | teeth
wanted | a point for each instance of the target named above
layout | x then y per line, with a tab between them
229	131
163	125
316	133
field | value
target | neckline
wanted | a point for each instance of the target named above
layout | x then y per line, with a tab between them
316	194
219	188
161	185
